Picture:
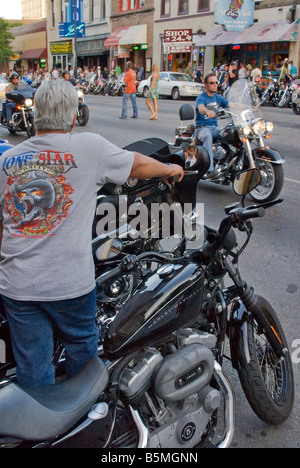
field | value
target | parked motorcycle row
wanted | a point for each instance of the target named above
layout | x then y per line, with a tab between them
164	314
281	94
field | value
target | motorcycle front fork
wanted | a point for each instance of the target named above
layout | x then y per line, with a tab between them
248	149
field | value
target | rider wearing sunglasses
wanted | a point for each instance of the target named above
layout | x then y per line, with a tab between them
206	120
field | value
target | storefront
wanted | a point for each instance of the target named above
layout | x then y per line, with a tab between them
61	54
265	44
129	43
92	53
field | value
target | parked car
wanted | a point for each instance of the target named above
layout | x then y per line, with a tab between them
3	84
173	84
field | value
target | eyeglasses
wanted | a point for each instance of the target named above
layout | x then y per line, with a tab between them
15	78
213	82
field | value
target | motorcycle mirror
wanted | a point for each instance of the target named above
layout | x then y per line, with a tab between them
191	155
246	181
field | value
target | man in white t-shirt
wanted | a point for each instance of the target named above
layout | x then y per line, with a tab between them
48	187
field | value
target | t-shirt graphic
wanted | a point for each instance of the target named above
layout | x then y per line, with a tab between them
38	196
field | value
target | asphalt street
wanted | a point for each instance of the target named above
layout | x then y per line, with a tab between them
271	261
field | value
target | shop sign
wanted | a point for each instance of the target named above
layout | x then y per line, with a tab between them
57	48
123	52
67	29
178	41
235	15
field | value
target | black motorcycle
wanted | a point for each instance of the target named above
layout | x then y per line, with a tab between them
23	113
271	93
240	145
296	97
160	382
83	112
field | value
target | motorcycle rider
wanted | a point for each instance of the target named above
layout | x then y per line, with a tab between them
47	206
206	120
8	105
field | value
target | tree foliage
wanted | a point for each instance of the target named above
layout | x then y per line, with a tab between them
6	37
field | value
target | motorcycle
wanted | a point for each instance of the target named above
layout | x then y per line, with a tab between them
161	381
286	90
296	97
83	110
270	94
240	144
23	114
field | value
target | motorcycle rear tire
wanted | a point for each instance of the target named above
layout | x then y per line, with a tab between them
269	388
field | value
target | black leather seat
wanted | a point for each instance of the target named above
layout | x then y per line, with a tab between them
43	413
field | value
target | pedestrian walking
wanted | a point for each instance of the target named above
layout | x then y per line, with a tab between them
130	92
154	93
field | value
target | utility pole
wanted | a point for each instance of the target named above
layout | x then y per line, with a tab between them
75	40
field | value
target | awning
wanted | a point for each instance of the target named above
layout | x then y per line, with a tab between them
135	35
34	54
270	31
216	36
114	39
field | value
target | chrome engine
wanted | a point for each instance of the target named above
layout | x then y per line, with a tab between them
174	392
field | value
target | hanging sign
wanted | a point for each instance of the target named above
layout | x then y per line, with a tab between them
178	41
235	15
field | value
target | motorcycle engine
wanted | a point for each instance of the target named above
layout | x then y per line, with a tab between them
174	392
219	152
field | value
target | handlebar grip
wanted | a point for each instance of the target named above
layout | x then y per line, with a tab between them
109	275
254	213
175	178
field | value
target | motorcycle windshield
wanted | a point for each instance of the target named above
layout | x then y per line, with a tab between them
244	103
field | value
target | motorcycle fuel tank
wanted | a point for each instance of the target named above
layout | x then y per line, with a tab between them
166	300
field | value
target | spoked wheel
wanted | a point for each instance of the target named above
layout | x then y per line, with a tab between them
272	177
267	380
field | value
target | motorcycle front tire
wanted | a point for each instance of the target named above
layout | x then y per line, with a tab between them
267	381
296	108
83	116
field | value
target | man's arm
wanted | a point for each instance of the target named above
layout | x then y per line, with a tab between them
204	111
1	231
148	168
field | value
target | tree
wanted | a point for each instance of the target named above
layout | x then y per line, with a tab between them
6	37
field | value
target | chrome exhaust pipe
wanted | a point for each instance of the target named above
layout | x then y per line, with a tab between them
141	428
229	417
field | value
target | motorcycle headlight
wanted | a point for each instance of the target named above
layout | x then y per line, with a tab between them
246	130
269	127
28	102
80	93
259	127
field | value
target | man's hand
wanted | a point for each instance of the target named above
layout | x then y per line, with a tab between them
148	168
210	114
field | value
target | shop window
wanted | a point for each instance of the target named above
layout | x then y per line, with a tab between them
183	7
165	7
203	5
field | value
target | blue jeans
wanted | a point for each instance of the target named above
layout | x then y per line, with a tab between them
32	325
132	97
206	136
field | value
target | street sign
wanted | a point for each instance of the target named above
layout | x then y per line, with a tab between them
67	29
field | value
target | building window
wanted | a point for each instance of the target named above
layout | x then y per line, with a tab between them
183	7
165	7
102	9
53	13
203	5
130	5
